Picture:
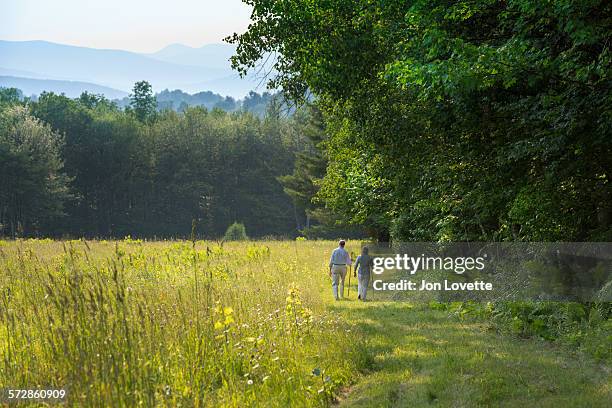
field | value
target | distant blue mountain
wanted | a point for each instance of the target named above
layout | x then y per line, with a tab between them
27	74
174	67
210	55
72	89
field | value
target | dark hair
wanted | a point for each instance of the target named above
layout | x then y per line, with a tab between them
342	242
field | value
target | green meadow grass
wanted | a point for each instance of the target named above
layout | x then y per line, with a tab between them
131	323
418	357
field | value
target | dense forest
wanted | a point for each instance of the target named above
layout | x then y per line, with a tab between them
421	120
86	167
453	120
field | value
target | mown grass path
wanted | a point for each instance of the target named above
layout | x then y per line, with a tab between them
420	357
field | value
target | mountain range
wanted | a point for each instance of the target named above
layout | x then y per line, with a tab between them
114	72
72	89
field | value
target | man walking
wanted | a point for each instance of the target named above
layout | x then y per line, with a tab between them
363	268
340	258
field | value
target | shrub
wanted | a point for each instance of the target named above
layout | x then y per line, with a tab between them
236	232
582	325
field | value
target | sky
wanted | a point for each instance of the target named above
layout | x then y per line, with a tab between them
133	25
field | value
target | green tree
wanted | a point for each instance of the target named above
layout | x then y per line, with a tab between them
236	232
313	219
107	159
10	96
33	187
143	101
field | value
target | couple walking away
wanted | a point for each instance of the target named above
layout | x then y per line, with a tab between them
338	262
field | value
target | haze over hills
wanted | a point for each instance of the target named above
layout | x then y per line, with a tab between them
27	74
72	89
175	67
210	55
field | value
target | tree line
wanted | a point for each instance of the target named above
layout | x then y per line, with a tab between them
179	101
452	120
86	167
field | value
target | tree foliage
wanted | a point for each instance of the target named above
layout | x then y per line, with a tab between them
235	232
112	174
304	183
33	186
453	120
143	101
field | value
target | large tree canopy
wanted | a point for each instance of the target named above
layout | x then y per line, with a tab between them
453	120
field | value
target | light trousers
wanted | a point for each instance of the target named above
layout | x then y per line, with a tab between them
338	273
362	285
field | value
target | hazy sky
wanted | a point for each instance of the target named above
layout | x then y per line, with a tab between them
135	25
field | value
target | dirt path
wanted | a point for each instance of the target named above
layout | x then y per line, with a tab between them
419	357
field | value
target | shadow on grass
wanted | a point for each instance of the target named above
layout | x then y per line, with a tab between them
413	356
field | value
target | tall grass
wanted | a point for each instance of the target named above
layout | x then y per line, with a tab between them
132	323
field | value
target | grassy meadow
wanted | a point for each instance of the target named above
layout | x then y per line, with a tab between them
132	323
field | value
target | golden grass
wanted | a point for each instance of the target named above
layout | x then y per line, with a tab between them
131	323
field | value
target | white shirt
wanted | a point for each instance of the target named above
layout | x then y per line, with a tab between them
340	257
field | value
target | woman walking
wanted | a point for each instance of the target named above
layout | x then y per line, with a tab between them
363	267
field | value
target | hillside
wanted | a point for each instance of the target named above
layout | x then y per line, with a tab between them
31	86
175	67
